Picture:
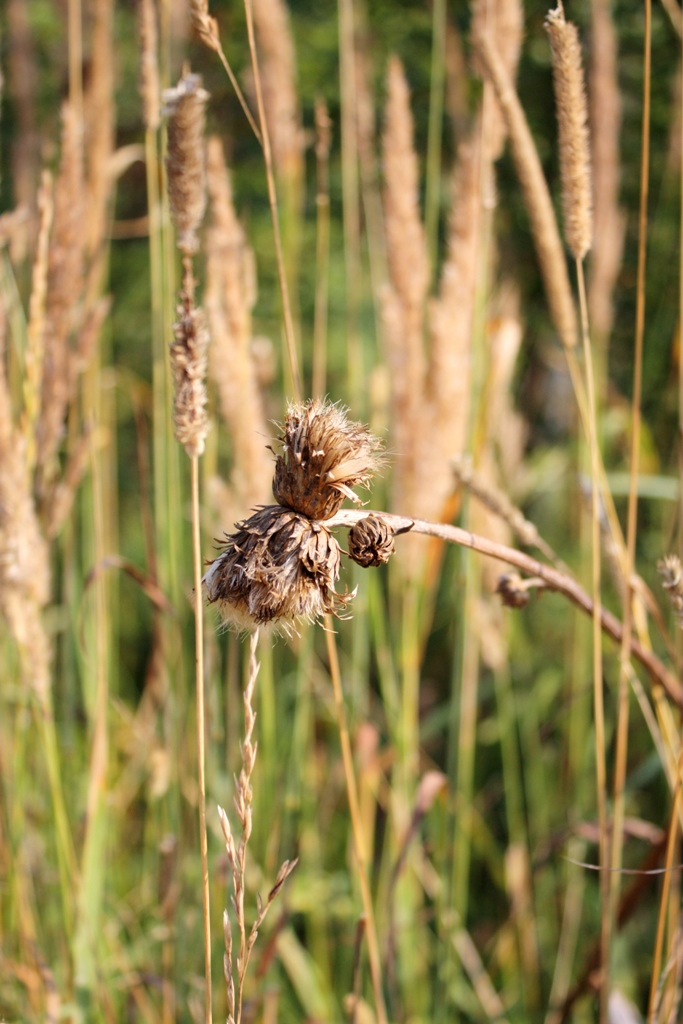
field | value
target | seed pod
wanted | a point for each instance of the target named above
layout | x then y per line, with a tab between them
512	591
324	455
276	568
371	541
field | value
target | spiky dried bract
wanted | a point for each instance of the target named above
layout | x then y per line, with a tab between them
371	542
188	362
276	568
572	116
671	571
324	455
185	162
149	67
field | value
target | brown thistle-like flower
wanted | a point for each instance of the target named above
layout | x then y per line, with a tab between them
324	455
371	541
671	571
277	567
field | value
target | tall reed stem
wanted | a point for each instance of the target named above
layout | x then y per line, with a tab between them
632	522
201	743
356	823
272	199
436	98
598	698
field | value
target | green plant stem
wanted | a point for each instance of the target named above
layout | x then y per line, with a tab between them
436	98
598	697
356	823
201	739
272	199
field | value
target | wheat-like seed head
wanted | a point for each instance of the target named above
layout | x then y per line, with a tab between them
572	116
185	104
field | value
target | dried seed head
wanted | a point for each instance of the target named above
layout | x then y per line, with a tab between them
572	116
512	591
671	571
371	541
185	162
324	455
188	360
276	568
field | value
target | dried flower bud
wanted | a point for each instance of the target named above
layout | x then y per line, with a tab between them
671	571
278	567
512	591
371	541
324	455
186	163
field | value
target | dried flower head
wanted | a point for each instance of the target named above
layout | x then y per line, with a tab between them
671	571
185	104
371	541
278	567
324	455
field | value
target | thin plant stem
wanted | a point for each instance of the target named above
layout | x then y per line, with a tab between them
436	98
201	754
556	580
238	92
356	823
322	258
75	36
272	199
663	904
598	698
350	194
632	520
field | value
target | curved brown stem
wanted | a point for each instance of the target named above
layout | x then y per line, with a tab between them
553	578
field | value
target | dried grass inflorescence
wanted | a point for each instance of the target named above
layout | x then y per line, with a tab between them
188	361
572	116
324	455
277	567
671	571
185	104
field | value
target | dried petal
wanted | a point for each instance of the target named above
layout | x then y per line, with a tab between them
276	568
324	454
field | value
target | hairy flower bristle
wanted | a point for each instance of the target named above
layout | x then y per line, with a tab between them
277	567
324	455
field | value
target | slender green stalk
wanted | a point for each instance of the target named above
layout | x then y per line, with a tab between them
436	98
356	823
272	199
201	741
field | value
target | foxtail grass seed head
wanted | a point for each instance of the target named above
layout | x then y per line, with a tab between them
186	164
188	361
324	455
671	571
572	116
276	568
149	66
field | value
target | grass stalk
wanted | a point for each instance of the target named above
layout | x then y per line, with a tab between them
201	738
350	195
272	200
435	130
356	823
632	520
664	900
322	252
598	696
